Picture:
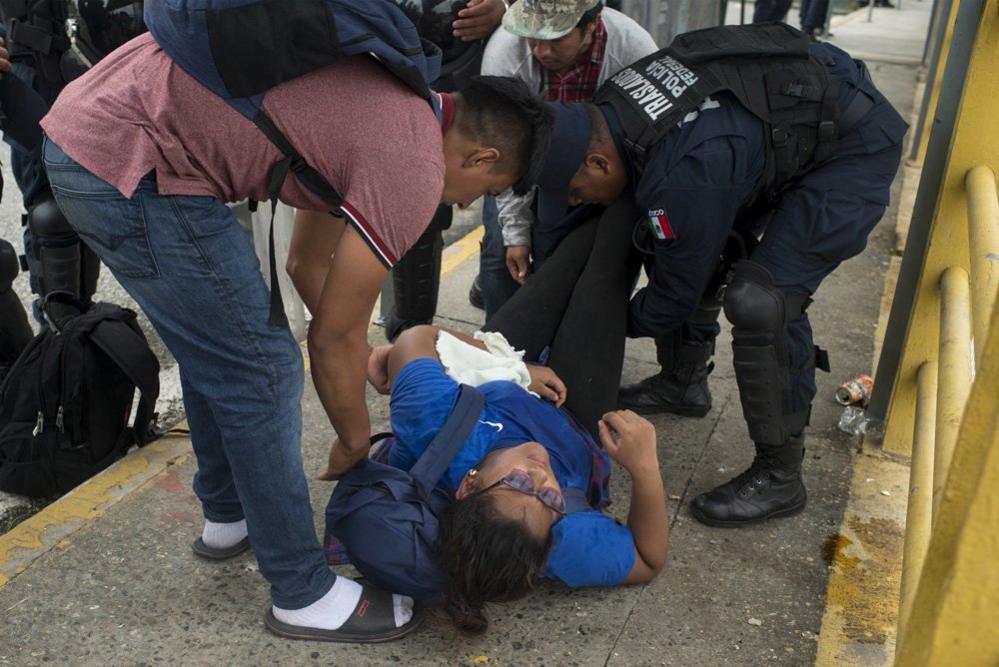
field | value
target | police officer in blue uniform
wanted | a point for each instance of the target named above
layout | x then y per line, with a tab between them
50	43
759	161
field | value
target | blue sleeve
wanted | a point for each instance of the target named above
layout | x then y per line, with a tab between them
590	549
422	398
697	198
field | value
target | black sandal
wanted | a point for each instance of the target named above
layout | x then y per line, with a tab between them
372	622
216	553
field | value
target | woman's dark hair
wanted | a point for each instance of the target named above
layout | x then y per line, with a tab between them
486	557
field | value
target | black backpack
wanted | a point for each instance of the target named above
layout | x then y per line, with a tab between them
387	518
65	404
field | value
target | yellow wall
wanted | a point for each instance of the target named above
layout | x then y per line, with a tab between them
955	615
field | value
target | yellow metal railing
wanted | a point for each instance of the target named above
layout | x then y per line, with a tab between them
983	233
943	385
943	407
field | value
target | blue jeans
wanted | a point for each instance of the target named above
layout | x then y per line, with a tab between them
192	269
765	11
497	283
813	15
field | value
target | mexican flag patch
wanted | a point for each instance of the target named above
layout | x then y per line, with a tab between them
659	224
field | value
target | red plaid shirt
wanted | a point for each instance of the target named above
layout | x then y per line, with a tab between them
580	82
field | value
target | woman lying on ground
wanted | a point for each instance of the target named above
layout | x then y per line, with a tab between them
530	482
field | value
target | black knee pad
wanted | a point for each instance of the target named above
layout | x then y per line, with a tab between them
59	262
752	303
45	221
759	314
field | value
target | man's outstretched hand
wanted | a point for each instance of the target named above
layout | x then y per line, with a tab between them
546	384
341	460
478	19
630	440
378	369
518	262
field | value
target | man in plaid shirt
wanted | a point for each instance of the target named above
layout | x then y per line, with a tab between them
564	50
578	81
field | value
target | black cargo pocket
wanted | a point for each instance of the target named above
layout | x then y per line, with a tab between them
841	233
883	130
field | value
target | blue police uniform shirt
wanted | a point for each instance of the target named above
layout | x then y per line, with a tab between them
689	195
697	179
588	548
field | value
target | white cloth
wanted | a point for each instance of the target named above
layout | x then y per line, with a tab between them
474	366
507	54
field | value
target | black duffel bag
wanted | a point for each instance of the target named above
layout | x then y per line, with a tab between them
66	402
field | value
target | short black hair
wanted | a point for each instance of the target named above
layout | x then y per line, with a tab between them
590	16
502	111
599	133
486	557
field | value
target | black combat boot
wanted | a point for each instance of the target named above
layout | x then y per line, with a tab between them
681	387
475	294
769	489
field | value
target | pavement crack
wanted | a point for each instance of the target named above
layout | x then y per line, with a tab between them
697	464
679	503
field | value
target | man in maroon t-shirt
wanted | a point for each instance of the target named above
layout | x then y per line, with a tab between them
142	160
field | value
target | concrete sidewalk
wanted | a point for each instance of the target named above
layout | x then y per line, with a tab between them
105	575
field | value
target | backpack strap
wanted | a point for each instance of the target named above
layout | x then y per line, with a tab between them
309	177
431	465
575	501
132	355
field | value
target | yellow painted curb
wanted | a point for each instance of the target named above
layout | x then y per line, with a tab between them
865	559
53	526
461	250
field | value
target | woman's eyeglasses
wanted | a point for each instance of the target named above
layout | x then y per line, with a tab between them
521	482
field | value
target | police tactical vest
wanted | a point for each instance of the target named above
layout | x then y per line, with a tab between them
767	67
35	35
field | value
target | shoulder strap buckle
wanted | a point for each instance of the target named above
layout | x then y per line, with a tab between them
778	137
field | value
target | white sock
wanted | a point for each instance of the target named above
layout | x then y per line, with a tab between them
333	609
223	535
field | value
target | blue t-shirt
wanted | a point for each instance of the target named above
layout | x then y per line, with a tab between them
588	548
